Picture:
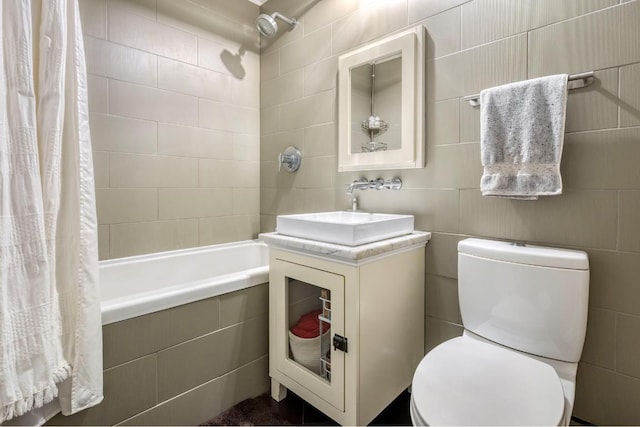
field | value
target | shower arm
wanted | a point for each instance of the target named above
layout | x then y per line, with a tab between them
291	21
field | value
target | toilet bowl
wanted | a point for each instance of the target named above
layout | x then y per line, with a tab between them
524	312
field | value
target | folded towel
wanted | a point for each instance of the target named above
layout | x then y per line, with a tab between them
522	132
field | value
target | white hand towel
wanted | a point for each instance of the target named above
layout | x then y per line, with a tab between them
522	133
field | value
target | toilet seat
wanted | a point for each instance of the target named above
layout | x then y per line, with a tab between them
465	381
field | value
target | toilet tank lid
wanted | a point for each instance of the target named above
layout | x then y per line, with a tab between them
525	254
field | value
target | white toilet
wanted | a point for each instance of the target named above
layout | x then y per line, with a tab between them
524	310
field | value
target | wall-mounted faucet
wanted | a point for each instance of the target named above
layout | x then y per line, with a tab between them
378	184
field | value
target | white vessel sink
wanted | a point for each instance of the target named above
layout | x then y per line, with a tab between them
344	228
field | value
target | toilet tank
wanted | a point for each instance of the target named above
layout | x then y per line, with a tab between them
530	298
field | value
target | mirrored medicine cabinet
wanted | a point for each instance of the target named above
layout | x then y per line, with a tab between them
381	104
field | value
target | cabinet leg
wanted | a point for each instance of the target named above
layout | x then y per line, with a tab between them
278	391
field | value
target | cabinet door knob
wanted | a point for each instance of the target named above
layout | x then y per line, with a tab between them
340	343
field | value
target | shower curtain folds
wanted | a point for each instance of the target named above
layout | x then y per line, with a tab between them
50	328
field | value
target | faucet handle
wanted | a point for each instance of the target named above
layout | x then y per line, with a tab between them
291	159
393	184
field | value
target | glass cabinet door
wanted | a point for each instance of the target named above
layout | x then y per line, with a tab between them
310	317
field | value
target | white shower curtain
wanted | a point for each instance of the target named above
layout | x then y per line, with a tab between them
50	328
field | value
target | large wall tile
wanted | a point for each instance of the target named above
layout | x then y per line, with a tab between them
285	88
142	102
321	76
368	23
448	166
192	80
313	110
494	64
311	48
318	172
191	363
269	66
236	307
627	345
145	8
147	237
226	229
605	397
442	255
191	408
93	16
98	93
232	118
248	381
246	147
115	205
178	203
246	201
595	106
420	9
630	95
144	34
136	337
443	33
438	331
434	209
614	281
116	133
128	390
103	242
469	122
497	217
175	140
592	42
108	59
281	201
441	299
600	342
629	226
326	12
321	140
580	218
135	170
486	20
269	120
101	168
442	123
273	144
602	159
444	77
228	22
326	199
227	173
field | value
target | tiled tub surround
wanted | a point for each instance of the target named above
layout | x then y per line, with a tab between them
202	349
174	114
472	45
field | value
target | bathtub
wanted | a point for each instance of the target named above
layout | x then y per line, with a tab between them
144	284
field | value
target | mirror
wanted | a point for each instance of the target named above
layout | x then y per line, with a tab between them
381	104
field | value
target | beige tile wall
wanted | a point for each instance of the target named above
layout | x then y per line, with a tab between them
174	102
473	44
184	365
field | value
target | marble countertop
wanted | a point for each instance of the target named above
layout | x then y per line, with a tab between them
349	253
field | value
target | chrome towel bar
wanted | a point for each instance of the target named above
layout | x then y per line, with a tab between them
577	81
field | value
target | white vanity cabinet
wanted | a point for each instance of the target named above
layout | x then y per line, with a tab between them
371	298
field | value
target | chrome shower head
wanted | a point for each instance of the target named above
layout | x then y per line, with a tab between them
267	23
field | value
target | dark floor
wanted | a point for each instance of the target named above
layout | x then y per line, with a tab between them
263	410
299	412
